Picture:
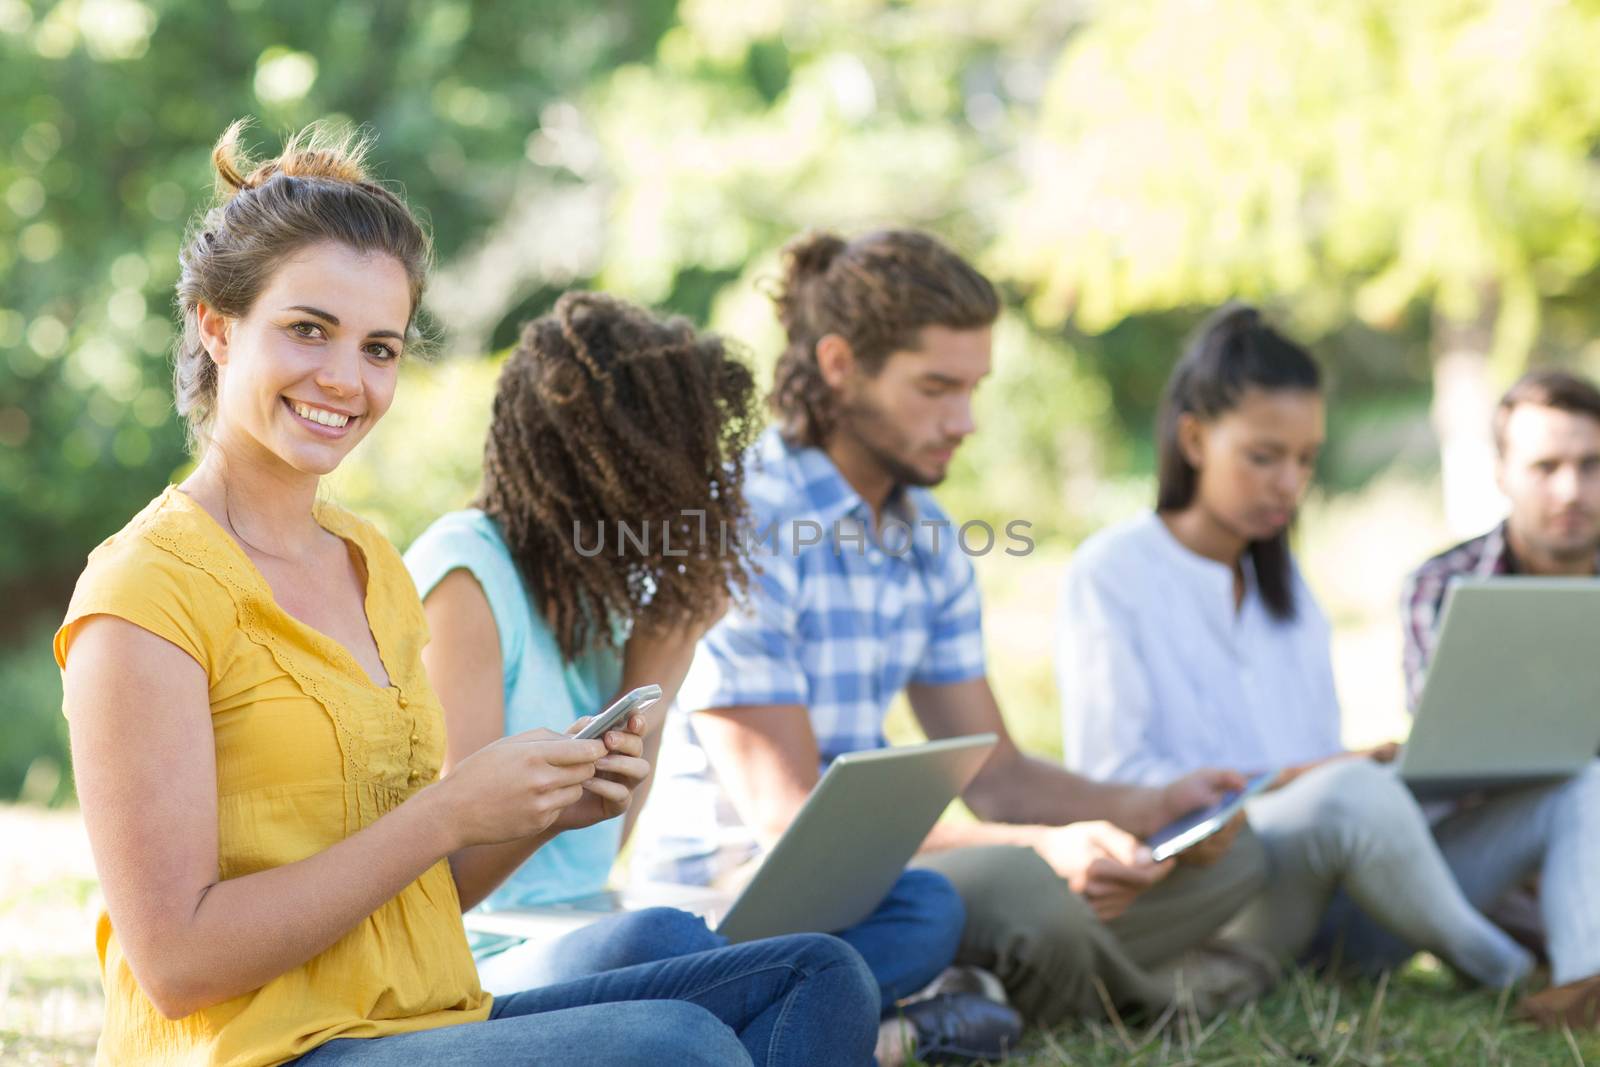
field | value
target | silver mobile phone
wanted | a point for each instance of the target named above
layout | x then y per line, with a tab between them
617	714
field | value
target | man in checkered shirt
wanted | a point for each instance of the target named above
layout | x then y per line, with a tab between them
1547	439
866	591
1547	435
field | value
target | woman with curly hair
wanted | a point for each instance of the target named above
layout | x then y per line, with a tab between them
605	541
605	417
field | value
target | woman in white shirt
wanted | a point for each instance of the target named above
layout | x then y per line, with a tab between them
1188	638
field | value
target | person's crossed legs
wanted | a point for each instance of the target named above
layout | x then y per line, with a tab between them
1049	950
1490	846
626	939
1352	825
781	1002
906	941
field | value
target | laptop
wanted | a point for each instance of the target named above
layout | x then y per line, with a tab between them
1512	697
835	863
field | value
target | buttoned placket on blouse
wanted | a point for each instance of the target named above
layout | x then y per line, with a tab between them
343	658
401	703
393	689
416	736
1231	623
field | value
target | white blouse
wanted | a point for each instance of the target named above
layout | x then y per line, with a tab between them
1159	675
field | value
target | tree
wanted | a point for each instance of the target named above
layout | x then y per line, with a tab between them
1360	159
109	111
754	121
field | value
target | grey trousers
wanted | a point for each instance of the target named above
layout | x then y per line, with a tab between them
1490	846
1353	826
1047	947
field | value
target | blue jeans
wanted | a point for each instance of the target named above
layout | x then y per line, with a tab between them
907	941
783	1002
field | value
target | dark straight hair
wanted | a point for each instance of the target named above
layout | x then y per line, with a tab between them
1233	351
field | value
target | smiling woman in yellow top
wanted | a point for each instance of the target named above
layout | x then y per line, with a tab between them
255	742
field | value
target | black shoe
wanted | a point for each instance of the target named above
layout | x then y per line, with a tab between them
962	1027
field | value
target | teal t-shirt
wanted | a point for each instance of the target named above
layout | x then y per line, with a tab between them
541	689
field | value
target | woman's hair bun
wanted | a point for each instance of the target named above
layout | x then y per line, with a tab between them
1232	318
318	151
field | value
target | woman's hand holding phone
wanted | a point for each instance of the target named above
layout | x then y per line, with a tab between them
516	787
1214	847
1384	753
1193	792
541	781
617	774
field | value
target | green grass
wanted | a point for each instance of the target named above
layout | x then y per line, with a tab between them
50	1001
50	1008
1418	1016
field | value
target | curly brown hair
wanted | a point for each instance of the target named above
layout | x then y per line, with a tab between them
878	292
607	413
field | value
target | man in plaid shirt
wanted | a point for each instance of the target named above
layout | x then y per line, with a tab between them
1547	436
1547	433
868	592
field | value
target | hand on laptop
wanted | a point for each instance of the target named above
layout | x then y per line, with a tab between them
1384	753
1104	864
616	775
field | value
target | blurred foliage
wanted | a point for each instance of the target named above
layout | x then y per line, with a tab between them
109	111
1343	159
1365	168
424	458
34	748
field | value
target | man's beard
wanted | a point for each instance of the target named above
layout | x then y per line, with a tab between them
1566	549
864	422
1575	552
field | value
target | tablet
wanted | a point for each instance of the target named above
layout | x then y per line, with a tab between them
1194	828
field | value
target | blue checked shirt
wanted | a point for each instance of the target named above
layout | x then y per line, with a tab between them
837	621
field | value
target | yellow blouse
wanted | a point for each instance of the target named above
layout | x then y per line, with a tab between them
309	751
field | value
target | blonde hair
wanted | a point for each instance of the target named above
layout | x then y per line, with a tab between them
317	189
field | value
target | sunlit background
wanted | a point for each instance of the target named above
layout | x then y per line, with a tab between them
1410	188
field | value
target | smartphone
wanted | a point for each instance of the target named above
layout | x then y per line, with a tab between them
1184	834
617	714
